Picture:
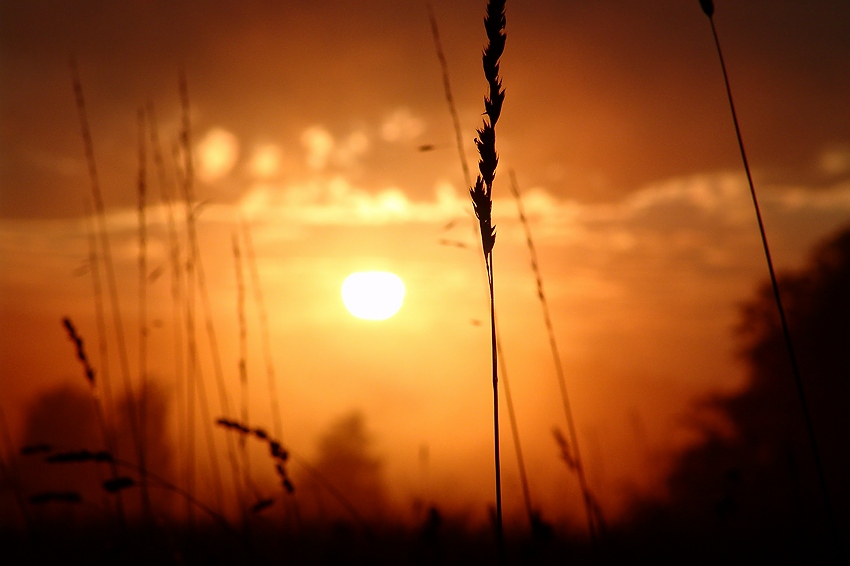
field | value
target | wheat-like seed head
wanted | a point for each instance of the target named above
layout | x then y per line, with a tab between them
81	352
494	25
482	192
707	7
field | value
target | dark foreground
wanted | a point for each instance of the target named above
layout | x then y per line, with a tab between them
349	545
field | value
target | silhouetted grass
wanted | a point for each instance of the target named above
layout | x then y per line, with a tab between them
574	461
108	437
708	8
168	198
533	517
142	188
100	214
9	468
481	194
264	331
200	279
243	356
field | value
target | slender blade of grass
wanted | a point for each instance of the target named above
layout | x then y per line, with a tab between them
200	276
708	9
112	285
556	356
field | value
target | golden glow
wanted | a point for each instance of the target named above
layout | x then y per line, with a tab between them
217	151
373	295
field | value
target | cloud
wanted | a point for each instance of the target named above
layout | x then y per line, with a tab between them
323	149
335	201
349	151
265	161
402	125
319	143
703	218
217	153
836	161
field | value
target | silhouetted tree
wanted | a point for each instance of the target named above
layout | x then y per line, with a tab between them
752	480
62	420
346	460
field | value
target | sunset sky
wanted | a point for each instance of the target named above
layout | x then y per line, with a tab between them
307	121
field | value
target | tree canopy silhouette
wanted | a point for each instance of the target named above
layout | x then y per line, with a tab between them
752	478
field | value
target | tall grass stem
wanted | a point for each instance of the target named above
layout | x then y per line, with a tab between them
9	461
109	429
243	356
195	379
143	306
450	99
708	9
259	299
112	285
509	402
167	197
447	88
559	370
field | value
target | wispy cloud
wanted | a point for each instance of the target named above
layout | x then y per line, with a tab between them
402	125
319	143
217	153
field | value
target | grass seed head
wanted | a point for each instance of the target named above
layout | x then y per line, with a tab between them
115	485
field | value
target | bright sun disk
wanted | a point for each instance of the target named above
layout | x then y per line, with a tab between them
373	295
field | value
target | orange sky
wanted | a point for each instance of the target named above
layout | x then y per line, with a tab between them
307	122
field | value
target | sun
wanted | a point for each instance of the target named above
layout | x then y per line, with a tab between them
373	295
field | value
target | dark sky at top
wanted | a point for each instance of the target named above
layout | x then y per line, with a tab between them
602	96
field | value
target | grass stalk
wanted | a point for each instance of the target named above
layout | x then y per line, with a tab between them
592	529
447	88
206	418
282	455
708	8
143	306
482	202
195	381
9	468
187	496
108	441
264	330
200	278
523	476
167	196
110	428
243	356
265	336
112	285
119	483
103	350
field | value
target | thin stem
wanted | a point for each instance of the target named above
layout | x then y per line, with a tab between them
435	32
109	435
523	477
447	88
143	298
559	370
190	499
110	269
264	330
336	493
243	356
218	369
9	461
495	365
195	379
792	357
167	196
